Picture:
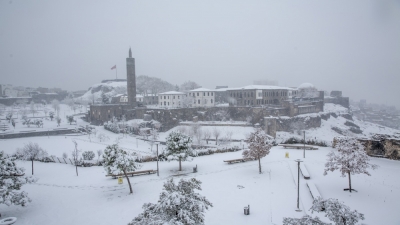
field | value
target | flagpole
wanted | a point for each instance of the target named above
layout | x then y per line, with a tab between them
116	73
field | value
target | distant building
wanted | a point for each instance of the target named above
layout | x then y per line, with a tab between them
171	99
202	97
336	97
258	95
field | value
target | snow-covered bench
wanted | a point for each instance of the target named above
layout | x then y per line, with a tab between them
313	190
237	160
304	171
135	173
308	147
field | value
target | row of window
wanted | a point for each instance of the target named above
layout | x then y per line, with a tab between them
259	102
204	94
263	94
167	97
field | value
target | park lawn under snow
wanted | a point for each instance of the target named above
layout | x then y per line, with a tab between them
61	197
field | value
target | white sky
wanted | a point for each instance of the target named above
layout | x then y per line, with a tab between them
353	46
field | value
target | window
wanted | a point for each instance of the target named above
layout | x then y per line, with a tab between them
212	94
251	94
194	102
208	93
211	101
198	101
197	93
178	96
204	94
165	103
174	97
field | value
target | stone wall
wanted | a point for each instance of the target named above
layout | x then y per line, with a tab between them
288	124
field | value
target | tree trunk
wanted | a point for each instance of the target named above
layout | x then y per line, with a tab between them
76	168
127	178
259	165
349	182
32	166
180	164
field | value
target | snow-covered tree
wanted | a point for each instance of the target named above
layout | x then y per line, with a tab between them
189	85
71	119
75	156
104	98
56	106
259	146
9	116
207	134
11	181
153	137
117	161
32	152
178	205
58	121
350	159
216	133
305	220
334	210
51	115
178	147
99	153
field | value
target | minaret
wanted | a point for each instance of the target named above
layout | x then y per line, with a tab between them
131	79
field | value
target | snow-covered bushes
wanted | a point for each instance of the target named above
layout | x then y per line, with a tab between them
294	140
88	155
178	204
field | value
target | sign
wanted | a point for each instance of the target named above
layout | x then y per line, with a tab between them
287	155
120	180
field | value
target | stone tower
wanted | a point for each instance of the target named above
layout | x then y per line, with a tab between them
131	79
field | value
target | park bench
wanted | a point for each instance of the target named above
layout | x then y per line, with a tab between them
135	173
308	147
236	160
313	190
304	171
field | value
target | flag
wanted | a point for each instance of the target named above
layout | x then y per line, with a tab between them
114	67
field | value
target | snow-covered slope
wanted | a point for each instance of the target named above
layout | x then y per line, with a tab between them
340	124
110	89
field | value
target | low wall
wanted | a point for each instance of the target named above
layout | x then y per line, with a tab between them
37	133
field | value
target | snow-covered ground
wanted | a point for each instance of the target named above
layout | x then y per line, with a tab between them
61	197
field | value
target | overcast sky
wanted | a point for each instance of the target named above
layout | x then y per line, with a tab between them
353	46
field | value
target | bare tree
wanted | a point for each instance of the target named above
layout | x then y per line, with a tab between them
56	106
207	134
229	135
349	159
32	108
216	133
259	146
75	156
32	151
199	135
99	153
153	138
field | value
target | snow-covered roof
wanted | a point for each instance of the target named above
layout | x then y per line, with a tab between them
306	85
200	89
172	93
260	87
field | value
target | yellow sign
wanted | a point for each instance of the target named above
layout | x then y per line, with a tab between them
120	180
287	155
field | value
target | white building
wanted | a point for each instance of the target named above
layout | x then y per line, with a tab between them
202	97
171	99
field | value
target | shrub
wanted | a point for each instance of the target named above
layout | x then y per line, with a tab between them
88	155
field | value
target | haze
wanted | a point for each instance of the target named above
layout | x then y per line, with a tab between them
351	46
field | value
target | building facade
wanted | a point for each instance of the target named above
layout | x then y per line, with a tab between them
258	95
202	97
171	99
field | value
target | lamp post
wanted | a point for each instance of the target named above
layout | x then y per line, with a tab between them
304	142
158	174
298	184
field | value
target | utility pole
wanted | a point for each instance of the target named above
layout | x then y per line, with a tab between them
298	185
157	160
304	142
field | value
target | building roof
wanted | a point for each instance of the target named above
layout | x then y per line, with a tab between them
260	87
172	93
200	89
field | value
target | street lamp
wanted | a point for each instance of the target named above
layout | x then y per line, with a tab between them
298	184
304	142
158	174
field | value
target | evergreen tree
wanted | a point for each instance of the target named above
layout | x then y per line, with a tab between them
178	148
11	181
117	161
178	205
